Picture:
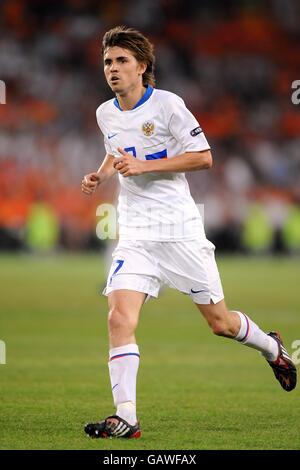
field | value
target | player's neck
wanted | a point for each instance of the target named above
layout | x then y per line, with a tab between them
129	99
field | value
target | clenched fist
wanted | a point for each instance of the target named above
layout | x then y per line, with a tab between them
90	182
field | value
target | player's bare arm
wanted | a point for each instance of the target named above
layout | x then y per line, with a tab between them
127	165
91	181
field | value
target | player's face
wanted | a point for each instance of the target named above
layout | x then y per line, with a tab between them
122	71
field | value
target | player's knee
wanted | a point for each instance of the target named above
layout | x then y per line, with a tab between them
119	321
116	320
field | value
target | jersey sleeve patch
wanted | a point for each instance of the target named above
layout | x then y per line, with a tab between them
196	131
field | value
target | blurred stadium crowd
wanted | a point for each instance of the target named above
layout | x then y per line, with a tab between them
232	62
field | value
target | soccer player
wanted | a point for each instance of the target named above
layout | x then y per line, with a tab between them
151	140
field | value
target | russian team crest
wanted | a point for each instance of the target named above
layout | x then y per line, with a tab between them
148	128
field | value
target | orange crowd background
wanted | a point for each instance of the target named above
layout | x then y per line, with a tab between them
232	62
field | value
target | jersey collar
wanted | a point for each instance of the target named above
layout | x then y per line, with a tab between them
144	98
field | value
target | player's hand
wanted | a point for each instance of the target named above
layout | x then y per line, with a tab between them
90	182
127	165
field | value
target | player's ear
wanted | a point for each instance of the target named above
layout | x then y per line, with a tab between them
142	68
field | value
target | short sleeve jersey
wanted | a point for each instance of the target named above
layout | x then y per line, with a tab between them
154	206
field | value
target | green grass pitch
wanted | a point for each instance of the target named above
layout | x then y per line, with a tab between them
195	390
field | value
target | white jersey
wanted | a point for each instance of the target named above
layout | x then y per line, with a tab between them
154	206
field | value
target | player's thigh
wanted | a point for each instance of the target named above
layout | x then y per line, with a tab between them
126	303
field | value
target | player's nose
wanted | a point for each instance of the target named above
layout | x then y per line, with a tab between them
114	67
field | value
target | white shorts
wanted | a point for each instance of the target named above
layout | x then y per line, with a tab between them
145	266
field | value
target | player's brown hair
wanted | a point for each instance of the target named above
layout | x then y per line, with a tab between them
137	43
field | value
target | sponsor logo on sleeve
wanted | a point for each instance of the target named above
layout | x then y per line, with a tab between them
196	131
